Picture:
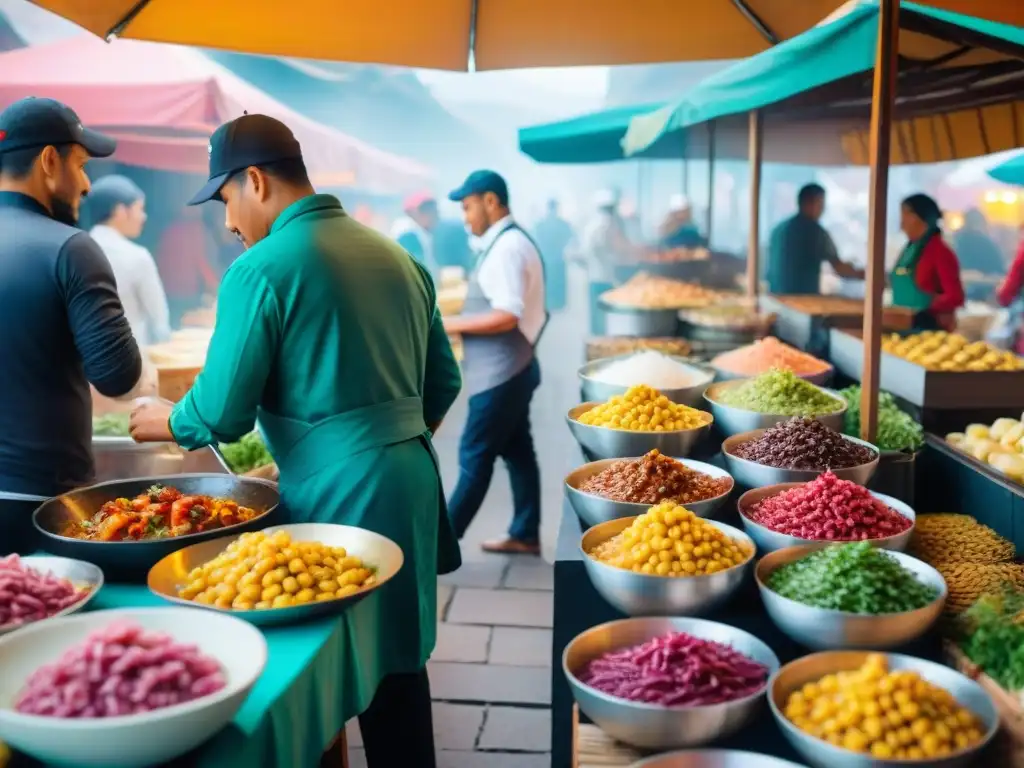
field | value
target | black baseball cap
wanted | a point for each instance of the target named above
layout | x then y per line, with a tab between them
35	122
479	183
243	142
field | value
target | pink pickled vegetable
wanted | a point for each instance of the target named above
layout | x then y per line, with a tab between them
120	670
676	670
27	595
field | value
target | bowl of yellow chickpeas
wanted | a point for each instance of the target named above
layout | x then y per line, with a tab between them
855	709
635	422
279	575
666	562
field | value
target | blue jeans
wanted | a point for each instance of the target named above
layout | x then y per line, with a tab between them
498	425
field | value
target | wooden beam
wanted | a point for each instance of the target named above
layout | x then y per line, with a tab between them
754	242
711	181
883	98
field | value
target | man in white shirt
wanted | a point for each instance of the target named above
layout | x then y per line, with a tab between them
118	207
605	246
501	322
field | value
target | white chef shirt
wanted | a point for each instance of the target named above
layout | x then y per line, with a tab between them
511	276
138	285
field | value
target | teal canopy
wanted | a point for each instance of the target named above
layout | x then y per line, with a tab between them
1010	172
958	95
593	138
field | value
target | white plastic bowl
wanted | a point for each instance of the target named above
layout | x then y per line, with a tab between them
131	741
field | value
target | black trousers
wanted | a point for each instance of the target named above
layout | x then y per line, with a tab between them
398	726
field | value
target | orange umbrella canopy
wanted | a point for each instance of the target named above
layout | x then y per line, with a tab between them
492	34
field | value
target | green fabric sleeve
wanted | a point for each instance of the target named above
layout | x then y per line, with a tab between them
221	406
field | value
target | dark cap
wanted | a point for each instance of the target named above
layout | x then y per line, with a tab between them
244	142
479	183
34	122
108	192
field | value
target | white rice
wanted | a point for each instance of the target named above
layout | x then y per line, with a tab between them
651	368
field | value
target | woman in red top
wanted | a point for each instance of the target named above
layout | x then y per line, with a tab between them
926	278
1010	289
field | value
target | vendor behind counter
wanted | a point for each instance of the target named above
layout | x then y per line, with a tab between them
926	278
800	245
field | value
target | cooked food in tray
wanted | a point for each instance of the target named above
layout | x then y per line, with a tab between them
160	512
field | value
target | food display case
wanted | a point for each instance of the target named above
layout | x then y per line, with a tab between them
929	390
805	321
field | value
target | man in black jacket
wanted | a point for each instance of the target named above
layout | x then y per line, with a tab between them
63	323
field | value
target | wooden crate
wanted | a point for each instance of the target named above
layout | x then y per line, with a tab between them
593	748
174	382
1009	743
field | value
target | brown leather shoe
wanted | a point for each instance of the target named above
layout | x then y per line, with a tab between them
511	547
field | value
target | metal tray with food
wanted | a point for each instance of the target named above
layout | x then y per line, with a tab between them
280	575
125	526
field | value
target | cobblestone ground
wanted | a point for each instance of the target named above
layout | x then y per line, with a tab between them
490	673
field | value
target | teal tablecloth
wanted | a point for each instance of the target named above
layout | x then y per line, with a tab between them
319	675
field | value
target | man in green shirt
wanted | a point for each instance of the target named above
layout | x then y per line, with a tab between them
800	245
329	335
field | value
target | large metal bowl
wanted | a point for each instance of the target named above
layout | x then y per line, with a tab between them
132	559
820	379
652	726
83	575
593	509
750	474
827	630
768	540
378	552
637	321
714	758
821	754
121	458
595	390
638	594
606	443
733	421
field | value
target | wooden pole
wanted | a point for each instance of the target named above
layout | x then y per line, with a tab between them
883	96
712	151
754	243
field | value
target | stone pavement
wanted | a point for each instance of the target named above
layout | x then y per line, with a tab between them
490	673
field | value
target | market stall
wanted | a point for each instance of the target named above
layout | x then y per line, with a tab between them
279	695
743	481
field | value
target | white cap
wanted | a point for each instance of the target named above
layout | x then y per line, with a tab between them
678	202
605	198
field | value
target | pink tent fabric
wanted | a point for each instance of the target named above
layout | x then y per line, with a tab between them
163	101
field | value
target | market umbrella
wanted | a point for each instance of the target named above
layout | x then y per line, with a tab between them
958	93
492	34
163	102
1010	172
597	137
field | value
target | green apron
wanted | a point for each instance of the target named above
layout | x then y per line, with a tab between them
375	468
905	291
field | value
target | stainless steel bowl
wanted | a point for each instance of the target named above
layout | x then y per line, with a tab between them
376	551
132	559
821	754
714	758
595	390
750	474
638	594
652	726
593	509
606	443
82	575
733	421
121	458
768	540
821	379
636	321
827	630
